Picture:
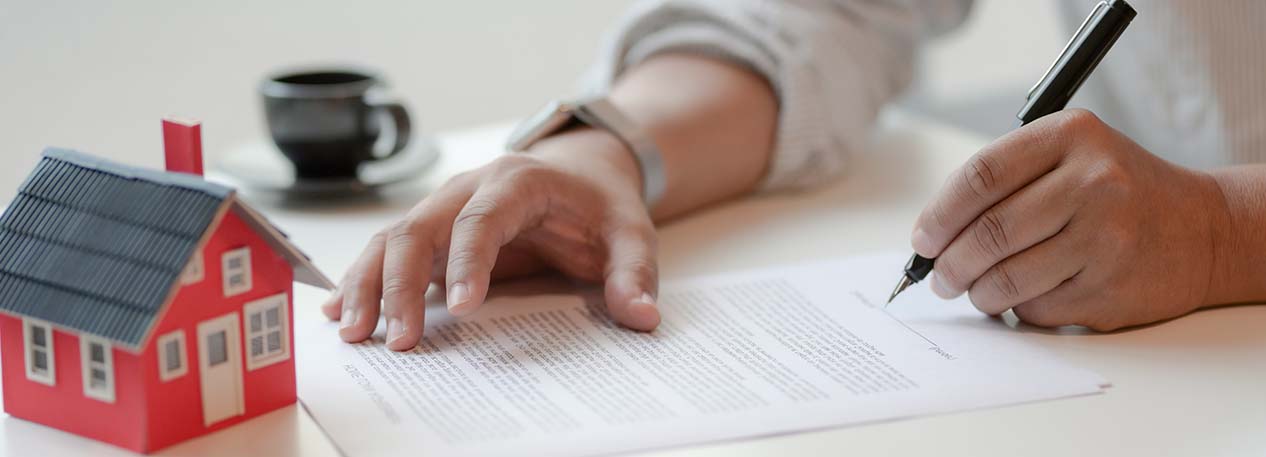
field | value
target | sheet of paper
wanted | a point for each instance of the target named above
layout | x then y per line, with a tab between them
737	355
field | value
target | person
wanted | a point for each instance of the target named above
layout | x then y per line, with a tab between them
1065	221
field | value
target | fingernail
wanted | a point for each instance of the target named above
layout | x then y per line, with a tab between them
921	242
395	329
348	319
458	298
642	313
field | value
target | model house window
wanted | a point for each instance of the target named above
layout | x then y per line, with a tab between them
267	331
98	368
172	361
237	271
194	272
40	366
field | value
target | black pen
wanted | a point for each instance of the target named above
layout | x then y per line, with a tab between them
1078	59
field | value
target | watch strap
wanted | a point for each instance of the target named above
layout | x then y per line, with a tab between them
601	113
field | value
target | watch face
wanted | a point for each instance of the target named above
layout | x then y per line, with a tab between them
544	122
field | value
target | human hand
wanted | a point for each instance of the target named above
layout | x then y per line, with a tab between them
572	203
1066	221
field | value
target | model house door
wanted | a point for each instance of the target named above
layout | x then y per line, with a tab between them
220	366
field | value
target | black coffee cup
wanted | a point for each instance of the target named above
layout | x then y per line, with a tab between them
328	121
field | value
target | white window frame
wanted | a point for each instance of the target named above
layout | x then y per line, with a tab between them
243	253
164	374
104	393
281	303
28	348
195	271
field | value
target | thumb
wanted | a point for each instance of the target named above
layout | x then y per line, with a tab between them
632	276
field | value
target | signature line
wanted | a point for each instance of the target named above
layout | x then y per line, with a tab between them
886	313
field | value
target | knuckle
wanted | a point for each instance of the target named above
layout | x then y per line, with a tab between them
1107	178
1115	239
949	272
639	232
982	174
402	233
1079	120
529	181
400	229
519	169
477	213
1003	282
462	258
396	286
991	235
642	267
357	286
353	280
462	179
381	235
936	214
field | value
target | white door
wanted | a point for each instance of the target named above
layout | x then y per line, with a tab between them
220	365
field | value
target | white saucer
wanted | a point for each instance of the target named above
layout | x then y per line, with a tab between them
259	166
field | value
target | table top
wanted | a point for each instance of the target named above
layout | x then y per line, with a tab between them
1190	386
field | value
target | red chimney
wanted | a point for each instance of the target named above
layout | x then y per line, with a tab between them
182	144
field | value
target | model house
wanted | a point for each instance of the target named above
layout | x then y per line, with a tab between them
141	307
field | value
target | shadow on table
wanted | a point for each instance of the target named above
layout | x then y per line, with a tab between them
275	433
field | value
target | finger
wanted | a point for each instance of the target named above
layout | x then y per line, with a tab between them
362	292
997	171
632	276
515	260
1022	220
1028	274
407	263
493	216
333	306
1063	305
406	270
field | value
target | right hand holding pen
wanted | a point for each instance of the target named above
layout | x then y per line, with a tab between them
572	203
1066	221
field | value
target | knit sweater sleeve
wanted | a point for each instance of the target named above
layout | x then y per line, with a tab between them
832	63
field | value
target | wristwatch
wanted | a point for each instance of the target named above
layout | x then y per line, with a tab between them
600	113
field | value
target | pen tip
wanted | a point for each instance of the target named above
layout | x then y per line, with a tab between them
901	286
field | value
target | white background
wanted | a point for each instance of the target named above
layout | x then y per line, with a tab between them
97	75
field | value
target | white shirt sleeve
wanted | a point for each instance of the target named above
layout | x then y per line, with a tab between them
832	63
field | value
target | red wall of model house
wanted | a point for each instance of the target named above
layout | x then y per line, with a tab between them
64	405
148	413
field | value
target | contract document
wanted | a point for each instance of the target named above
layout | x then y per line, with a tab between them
737	355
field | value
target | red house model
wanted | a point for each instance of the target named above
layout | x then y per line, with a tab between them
140	307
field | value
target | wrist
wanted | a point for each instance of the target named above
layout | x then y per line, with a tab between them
1238	275
594	153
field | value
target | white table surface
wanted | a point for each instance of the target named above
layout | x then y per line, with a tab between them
1191	386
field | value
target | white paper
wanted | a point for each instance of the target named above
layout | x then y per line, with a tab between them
737	355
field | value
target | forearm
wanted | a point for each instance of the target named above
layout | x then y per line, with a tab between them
714	123
1241	275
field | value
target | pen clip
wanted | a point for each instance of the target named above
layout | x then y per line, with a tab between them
1103	4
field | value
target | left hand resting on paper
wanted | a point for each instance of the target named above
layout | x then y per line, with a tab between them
572	203
1066	221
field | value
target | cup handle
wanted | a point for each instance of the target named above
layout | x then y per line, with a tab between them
402	127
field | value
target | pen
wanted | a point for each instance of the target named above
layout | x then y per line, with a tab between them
1078	59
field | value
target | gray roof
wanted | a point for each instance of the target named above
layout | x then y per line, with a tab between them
97	246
